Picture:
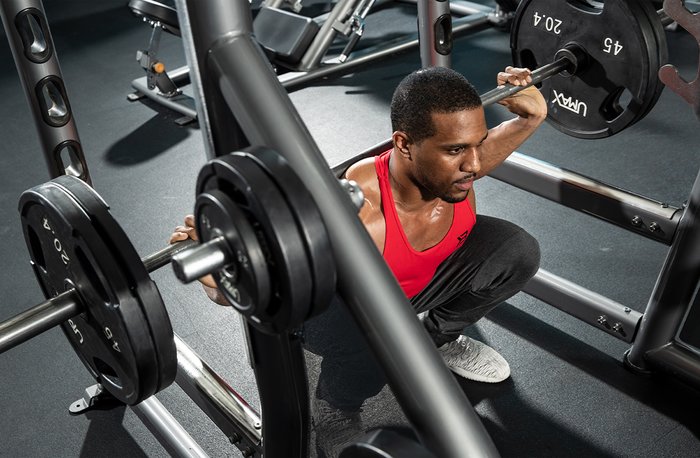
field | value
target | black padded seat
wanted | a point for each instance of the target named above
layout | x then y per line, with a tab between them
156	11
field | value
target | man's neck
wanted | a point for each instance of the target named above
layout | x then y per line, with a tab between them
408	195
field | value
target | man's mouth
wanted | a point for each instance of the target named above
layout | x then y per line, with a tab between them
464	184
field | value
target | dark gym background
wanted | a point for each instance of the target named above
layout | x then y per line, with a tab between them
569	394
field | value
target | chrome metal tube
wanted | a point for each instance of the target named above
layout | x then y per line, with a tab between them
201	260
167	430
591	307
539	75
226	408
163	257
38	319
655	220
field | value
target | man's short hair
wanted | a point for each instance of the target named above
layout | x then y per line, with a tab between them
426	91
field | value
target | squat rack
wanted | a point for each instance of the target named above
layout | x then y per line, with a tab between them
228	95
236	86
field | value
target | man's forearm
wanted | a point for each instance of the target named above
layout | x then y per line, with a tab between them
504	139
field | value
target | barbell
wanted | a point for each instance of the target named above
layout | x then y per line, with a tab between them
262	237
263	241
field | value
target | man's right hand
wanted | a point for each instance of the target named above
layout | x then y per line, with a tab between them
528	103
185	232
188	231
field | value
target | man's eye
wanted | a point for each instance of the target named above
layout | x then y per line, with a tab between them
457	150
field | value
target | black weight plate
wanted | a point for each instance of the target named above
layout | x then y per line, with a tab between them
143	288
245	282
617	83
110	334
309	222
269	215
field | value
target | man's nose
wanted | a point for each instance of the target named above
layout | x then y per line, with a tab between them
471	162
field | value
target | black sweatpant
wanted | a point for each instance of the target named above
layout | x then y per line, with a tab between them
495	262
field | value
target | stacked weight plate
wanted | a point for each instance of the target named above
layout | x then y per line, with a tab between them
123	334
617	85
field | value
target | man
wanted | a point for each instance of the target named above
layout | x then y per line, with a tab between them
420	208
420	211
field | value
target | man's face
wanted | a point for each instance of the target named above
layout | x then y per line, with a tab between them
446	164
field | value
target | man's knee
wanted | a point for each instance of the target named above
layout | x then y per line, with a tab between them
524	252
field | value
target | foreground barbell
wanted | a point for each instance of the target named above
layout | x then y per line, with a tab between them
273	262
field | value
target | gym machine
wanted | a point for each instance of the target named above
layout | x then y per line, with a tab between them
669	344
299	47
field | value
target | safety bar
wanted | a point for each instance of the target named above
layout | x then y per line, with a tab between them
167	430
641	215
226	408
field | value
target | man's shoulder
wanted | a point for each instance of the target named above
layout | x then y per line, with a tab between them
364	173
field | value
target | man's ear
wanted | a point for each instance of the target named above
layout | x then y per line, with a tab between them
401	143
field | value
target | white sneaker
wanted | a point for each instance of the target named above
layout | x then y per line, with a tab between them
335	428
475	360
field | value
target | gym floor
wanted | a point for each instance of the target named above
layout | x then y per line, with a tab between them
569	394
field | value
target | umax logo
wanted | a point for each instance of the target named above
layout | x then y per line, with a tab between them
578	107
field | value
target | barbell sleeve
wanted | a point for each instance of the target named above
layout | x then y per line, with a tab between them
208	257
54	311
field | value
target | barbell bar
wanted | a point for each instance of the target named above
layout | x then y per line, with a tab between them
68	304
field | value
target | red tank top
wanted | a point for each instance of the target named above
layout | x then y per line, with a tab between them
414	269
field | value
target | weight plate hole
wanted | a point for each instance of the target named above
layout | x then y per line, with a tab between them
35	247
616	103
94	280
107	372
528	60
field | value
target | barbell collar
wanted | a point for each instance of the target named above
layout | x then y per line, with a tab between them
202	260
38	319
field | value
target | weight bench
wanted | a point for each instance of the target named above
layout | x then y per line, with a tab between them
283	35
159	84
